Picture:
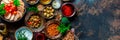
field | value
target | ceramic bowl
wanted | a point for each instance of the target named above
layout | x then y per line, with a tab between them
47	24
23	33
38	29
70	4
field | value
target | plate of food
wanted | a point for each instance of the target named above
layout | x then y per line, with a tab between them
51	30
34	21
23	33
12	10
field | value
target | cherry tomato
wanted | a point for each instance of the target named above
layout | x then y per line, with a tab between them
29	23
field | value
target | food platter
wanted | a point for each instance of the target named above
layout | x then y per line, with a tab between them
13	12
41	19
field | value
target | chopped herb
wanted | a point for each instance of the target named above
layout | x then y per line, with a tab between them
64	25
16	2
63	28
65	20
2	6
2	11
32	9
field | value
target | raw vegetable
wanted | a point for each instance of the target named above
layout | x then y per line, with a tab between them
65	20
32	9
62	28
2	6
10	8
16	2
2	11
64	25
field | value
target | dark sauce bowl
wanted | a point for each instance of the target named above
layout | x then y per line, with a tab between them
39	36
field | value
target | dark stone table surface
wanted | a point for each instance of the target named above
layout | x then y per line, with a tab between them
94	20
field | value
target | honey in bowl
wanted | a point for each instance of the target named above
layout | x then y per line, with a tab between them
45	1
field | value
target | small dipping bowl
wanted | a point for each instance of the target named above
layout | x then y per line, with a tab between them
39	36
68	9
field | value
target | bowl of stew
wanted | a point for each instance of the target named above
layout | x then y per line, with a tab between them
34	21
51	30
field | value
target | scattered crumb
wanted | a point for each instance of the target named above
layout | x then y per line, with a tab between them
90	33
114	38
115	25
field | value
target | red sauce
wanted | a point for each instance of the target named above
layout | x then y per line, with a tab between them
67	10
40	36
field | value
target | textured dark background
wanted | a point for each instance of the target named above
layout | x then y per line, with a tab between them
94	20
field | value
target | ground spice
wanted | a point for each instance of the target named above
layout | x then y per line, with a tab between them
52	30
67	10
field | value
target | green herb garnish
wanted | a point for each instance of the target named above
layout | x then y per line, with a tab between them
65	20
2	6
16	2
63	28
64	25
2	11
32	9
22	36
